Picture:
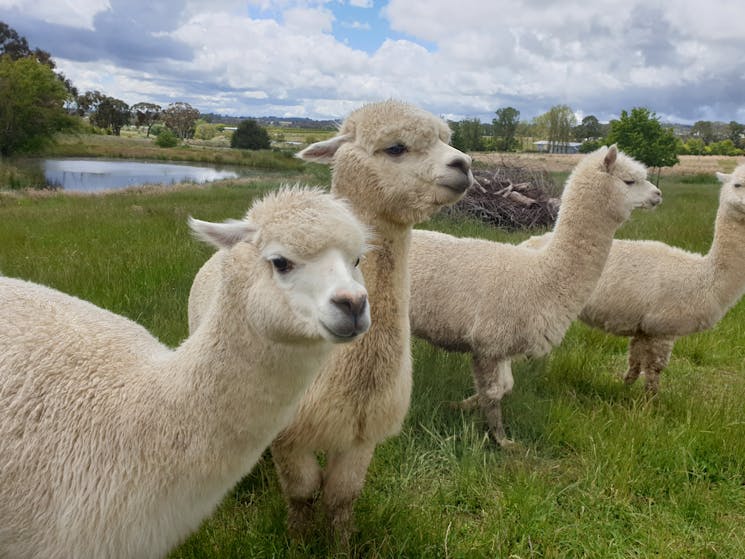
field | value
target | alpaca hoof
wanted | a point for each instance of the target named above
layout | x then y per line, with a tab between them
469	404
504	442
630	378
300	519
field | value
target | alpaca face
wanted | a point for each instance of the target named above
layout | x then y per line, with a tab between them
393	160
292	267
733	190
324	295
631	177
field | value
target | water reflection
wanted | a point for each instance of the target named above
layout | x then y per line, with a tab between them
82	175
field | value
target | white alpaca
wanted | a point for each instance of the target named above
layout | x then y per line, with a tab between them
498	300
655	293
394	164
113	445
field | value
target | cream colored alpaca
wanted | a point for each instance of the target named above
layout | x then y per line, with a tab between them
498	300
115	446
655	293
393	162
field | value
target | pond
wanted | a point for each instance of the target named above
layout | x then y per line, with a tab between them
91	175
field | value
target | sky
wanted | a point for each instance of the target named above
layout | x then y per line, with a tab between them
459	59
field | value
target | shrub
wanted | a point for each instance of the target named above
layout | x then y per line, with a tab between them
250	135
166	139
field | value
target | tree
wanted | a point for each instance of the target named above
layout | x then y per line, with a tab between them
250	135
181	118
146	114
561	120
87	103
111	114
16	47
703	129
467	135
505	127
31	105
736	133
640	134
589	129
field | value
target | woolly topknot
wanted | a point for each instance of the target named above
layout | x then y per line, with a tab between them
306	221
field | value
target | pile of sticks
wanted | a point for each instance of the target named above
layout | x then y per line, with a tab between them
511	198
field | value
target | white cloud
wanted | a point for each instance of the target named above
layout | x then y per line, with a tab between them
461	60
77	13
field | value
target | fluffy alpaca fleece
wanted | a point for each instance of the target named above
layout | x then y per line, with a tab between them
393	163
498	300
113	445
655	293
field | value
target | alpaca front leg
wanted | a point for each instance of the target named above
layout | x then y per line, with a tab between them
300	478
493	381
658	356
636	358
343	480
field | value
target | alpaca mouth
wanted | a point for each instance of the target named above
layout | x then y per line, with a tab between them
460	186
344	335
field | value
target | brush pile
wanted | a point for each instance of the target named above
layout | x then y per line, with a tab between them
511	198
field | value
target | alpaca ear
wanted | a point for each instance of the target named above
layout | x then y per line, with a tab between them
610	157
222	235
323	152
723	177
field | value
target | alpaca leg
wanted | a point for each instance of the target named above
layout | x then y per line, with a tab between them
636	357
658	356
494	380
343	480
300	478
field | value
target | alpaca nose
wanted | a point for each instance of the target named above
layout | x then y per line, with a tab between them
461	163
351	304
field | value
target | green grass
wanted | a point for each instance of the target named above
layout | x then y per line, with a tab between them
599	471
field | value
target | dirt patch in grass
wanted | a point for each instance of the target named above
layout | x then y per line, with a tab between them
559	162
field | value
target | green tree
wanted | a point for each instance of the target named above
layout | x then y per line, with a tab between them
640	134
704	129
736	133
145	114
504	128
111	114
561	121
250	135
181	118
17	47
32	102
589	129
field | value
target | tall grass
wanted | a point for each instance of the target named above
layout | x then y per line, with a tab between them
598	471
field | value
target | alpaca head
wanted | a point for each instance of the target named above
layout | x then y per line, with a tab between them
622	181
393	161
292	266
732	196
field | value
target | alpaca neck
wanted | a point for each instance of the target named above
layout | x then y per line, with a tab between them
244	379
380	355
726	258
581	241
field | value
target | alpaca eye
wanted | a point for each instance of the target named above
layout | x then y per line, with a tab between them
629	182
282	265
396	150
357	262
737	185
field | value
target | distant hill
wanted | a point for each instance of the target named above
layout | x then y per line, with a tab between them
286	122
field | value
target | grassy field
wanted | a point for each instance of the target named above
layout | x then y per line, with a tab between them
599	470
